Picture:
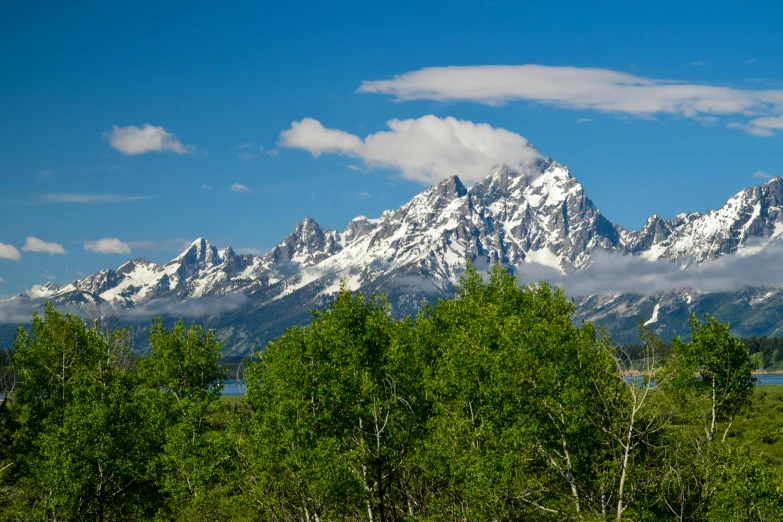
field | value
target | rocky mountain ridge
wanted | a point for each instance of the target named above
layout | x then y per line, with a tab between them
529	217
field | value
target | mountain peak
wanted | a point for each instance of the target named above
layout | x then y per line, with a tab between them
308	224
199	255
452	187
358	227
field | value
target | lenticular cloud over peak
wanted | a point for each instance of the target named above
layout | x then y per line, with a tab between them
587	88
426	149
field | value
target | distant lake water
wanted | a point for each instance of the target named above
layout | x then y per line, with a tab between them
237	387
233	387
768	379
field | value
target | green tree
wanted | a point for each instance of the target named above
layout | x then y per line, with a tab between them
710	382
336	407
744	488
519	429
83	444
712	374
182	381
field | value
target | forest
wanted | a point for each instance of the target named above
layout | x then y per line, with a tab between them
488	406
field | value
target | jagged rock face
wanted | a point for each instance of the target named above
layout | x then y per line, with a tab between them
753	214
306	245
536	214
546	218
358	227
655	231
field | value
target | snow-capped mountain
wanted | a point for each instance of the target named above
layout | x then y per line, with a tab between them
752	214
533	215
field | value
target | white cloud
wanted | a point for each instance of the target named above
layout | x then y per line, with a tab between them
698	63
48	276
1	279
251	151
71	197
610	272
760	126
749	61
9	252
206	187
363	195
165	245
253	251
750	129
584	120
238	187
577	88
108	245
132	140
188	307
426	150
762	174
33	244
46	174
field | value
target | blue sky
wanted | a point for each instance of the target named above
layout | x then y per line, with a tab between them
658	108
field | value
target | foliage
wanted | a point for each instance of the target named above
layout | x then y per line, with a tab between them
82	440
713	372
490	406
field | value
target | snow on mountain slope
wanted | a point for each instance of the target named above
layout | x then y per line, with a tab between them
752	214
538	214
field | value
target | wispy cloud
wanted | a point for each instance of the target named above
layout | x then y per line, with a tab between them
253	251
188	308
584	120
49	276
362	195
760	126
749	61
763	175
238	187
164	245
46	174
206	187
33	244
426	150
17	311
132	140
579	88
252	151
108	245
76	197
698	63
9	252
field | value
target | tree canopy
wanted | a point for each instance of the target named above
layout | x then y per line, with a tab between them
491	405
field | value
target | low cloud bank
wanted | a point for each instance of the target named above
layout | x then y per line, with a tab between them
19	310
188	308
611	273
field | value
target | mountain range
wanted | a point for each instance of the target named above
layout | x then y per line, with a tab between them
534	218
